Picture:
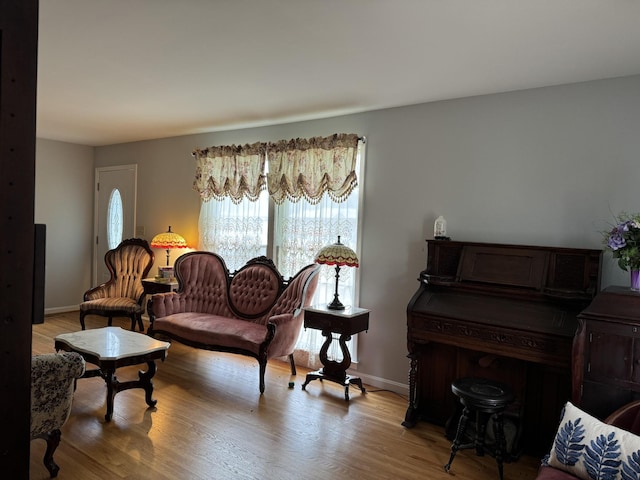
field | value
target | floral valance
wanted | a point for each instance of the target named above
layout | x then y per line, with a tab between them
230	171
310	167
297	168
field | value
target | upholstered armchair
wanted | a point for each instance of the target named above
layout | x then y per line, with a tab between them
53	378
123	294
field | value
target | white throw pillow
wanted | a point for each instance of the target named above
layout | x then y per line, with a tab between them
592	450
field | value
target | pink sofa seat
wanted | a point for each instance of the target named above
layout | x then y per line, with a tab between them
227	333
253	312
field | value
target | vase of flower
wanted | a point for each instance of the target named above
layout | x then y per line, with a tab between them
635	280
623	241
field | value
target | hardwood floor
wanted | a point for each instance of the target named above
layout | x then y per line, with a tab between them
211	423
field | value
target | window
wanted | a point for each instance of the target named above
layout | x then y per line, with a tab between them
236	232
114	219
289	229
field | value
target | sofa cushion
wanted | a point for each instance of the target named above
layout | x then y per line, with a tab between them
113	304
208	329
590	449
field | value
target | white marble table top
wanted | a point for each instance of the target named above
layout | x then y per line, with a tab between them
348	311
111	343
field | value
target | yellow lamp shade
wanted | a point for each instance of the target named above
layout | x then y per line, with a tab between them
168	240
337	254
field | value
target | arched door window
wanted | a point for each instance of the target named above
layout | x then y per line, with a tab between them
114	219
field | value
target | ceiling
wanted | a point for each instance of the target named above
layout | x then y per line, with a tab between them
119	70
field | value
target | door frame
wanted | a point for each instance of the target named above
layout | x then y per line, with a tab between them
96	211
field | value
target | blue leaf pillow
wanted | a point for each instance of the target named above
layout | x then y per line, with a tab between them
592	450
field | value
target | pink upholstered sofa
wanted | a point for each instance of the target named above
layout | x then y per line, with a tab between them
253	311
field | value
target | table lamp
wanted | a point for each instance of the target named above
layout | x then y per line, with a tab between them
339	255
168	240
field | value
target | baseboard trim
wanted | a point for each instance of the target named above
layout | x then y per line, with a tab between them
383	383
68	308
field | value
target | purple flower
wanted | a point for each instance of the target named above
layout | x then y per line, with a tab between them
625	226
616	239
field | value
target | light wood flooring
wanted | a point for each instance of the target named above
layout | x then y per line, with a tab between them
212	423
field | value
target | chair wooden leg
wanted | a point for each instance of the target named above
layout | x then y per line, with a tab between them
293	365
110	321
136	319
53	440
82	314
263	369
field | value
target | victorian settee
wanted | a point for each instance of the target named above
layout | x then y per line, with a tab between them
253	311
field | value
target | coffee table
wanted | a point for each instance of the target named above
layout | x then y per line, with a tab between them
110	348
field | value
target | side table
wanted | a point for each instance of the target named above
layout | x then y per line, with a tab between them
151	286
345	322
110	348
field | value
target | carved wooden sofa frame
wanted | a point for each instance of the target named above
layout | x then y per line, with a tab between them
252	312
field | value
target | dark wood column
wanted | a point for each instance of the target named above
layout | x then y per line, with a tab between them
18	68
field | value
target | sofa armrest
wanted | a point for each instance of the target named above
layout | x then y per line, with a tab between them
626	417
52	387
164	304
287	331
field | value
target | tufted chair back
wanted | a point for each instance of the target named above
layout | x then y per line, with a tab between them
202	277
52	385
128	263
255	288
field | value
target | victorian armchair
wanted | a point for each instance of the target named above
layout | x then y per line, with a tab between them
123	294
53	378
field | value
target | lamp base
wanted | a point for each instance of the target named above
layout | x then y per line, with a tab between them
335	305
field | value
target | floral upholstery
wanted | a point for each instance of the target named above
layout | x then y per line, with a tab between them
52	385
123	294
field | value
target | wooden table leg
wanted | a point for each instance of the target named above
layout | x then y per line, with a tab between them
114	386
147	384
332	370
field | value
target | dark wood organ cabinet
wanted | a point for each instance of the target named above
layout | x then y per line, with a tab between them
606	352
505	312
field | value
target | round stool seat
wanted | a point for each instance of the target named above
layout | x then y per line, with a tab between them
483	394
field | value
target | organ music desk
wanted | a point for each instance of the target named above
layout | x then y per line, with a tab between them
504	312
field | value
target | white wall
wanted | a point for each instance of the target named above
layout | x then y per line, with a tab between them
547	166
64	202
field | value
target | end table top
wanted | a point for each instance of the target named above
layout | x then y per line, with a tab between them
111	343
349	310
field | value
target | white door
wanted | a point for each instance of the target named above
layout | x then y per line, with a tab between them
115	213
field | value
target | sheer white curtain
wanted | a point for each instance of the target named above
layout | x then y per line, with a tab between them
301	230
234	215
237	232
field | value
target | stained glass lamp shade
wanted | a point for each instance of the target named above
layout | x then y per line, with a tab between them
339	255
168	240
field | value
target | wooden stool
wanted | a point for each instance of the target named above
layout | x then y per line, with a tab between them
486	399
